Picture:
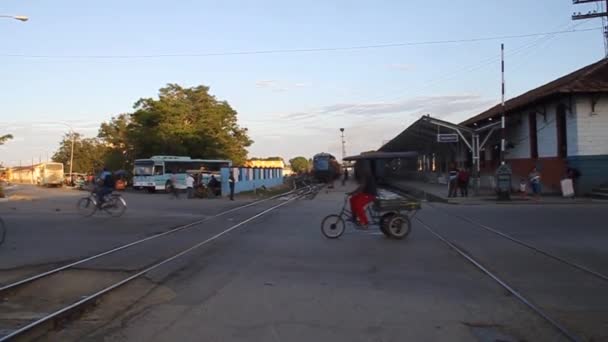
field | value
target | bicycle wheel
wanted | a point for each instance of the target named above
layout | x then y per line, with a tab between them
115	206
2	231
333	226
398	226
86	206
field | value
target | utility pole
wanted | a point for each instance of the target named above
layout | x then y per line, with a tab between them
595	14
503	131
343	145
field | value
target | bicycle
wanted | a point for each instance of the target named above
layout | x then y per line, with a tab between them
114	205
386	214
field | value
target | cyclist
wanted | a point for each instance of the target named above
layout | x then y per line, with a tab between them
364	194
105	186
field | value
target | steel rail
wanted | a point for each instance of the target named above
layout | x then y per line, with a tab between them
58	313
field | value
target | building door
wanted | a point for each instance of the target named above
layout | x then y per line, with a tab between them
560	123
533	136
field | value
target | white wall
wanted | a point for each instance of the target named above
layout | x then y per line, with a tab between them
591	130
518	134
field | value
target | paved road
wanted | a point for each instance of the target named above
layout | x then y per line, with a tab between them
44	229
278	279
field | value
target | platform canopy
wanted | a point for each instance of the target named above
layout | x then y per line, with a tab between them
382	155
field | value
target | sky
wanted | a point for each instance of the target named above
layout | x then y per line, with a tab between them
82	62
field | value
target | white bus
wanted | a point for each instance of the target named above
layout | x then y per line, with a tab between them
155	173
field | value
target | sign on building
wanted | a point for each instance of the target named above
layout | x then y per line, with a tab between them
447	138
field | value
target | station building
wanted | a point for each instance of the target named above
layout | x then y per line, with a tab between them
564	122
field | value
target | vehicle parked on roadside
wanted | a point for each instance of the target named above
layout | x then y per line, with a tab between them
155	173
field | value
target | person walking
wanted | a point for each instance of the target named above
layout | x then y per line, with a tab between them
463	182
345	178
231	183
173	185
190	185
452	182
534	179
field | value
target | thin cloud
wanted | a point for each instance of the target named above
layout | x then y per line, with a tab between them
302	85
266	83
438	106
401	66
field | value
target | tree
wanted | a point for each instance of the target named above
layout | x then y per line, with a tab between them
299	164
5	138
115	135
187	121
89	153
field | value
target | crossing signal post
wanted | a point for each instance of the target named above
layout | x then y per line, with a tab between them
595	14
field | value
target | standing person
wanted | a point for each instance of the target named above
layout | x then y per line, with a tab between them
534	179
231	183
190	185
173	181
463	182
364	194
345	176
452	182
573	174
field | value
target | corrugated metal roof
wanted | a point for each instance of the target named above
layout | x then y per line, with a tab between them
590	79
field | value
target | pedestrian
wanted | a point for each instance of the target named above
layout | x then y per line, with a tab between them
463	182
173	185
231	183
534	179
573	174
345	176
190	185
452	182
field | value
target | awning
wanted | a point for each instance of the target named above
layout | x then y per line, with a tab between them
383	155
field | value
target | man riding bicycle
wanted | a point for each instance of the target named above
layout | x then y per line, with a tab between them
365	193
105	186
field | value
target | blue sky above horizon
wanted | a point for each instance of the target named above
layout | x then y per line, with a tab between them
292	103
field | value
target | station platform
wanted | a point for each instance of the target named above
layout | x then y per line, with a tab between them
433	192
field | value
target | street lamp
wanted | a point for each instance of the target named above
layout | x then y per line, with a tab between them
16	17
343	146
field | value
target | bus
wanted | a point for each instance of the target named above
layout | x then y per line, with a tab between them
44	174
155	172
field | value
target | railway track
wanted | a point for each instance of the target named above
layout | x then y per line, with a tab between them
48	309
569	330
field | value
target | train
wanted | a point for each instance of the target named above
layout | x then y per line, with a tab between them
325	167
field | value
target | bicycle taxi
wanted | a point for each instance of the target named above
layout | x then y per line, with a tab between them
390	212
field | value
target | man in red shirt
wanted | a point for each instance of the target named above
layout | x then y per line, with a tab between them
463	182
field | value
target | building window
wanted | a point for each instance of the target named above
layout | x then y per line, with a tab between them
533	135
560	123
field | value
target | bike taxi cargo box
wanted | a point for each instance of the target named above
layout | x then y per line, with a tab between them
396	204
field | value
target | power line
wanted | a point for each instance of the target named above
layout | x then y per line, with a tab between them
284	51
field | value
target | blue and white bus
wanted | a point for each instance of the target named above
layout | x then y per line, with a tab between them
155	173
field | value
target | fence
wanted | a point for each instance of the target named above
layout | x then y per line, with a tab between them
250	179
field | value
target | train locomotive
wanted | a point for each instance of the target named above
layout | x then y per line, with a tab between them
325	168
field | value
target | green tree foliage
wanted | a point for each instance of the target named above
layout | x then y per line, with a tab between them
187	121
5	138
89	153
181	121
299	164
115	135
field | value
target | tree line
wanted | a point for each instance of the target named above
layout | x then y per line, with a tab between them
181	121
